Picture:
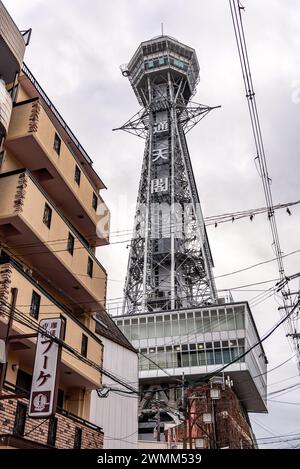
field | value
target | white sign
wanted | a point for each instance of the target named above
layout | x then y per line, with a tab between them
44	380
161	127
160	153
159	185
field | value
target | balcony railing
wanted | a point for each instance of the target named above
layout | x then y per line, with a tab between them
34	140
12	46
36	229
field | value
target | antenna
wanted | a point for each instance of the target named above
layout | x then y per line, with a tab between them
162	29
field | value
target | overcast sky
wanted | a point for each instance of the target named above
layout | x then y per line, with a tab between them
76	49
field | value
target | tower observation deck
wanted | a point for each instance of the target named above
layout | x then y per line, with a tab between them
171	311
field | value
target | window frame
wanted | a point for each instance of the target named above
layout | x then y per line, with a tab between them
35	305
84	345
94	201
90	267
57	144
47	217
71	243
77	175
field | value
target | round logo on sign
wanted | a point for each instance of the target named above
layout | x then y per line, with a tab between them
40	402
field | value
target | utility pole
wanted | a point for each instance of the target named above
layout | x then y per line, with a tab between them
214	423
185	411
158	424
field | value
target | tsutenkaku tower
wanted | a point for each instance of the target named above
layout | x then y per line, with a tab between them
170	262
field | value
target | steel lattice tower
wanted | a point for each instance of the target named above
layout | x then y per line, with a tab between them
170	262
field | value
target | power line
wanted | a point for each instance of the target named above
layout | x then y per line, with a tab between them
236	15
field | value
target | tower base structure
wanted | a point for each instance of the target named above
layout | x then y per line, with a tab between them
186	353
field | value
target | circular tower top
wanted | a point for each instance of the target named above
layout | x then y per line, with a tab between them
158	57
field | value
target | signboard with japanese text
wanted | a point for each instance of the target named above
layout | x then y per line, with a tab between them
43	393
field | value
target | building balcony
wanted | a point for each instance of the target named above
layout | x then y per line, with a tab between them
34	303
39	146
12	46
66	431
36	230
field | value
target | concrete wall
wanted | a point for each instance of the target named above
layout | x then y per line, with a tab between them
117	414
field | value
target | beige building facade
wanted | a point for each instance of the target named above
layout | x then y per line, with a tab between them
52	218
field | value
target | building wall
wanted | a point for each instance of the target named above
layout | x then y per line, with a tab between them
37	430
117	414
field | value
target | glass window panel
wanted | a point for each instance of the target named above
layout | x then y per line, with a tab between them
127	332
190	325
222	321
206	325
193	359
151	330
175	326
226	355
230	320
201	357
159	329
199	324
210	357
167	326
170	360
143	334
183	328
240	318
134	332
160	358
218	357
214	323
241	350
185	359
234	353
178	359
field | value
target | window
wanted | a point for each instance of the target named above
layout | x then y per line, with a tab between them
77	175
60	398
84	345
77	438
94	201
70	246
23	382
90	265
35	305
47	215
52	428
1	158
57	143
20	419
